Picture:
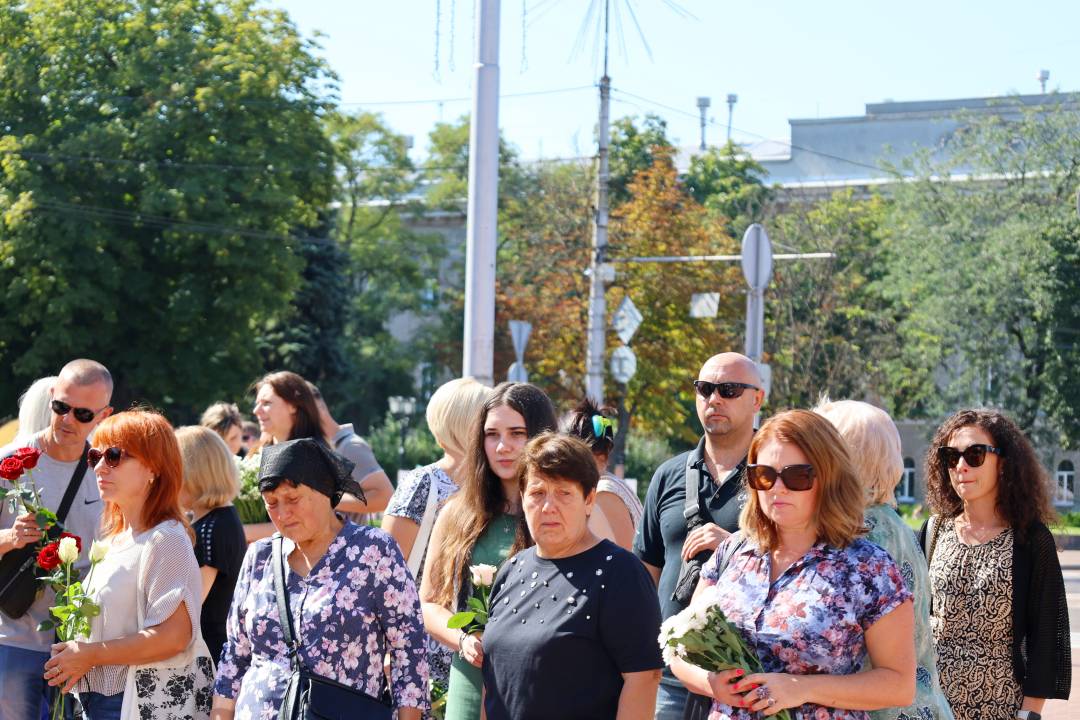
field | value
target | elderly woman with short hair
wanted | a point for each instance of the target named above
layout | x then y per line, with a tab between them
349	593
574	619
876	457
811	597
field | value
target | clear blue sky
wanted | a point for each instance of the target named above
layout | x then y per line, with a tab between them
784	58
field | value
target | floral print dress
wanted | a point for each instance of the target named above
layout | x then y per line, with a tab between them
357	603
813	619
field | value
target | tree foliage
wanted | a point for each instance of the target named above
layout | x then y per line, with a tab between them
152	187
986	265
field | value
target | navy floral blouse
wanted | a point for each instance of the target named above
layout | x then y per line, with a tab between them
357	603
813	619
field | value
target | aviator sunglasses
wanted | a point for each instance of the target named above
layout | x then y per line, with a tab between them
83	415
974	455
795	477
728	390
112	455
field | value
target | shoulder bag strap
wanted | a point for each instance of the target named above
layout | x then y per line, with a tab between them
692	507
933	524
73	485
278	559
428	521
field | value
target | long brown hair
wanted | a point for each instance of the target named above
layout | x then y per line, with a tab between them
482	498
1023	495
295	390
148	436
840	496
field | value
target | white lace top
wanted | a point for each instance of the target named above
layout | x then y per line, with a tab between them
170	575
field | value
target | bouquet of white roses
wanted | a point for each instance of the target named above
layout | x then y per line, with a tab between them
479	604
702	636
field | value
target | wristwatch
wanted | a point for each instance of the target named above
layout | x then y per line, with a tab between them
1028	715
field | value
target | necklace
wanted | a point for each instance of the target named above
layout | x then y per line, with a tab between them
979	535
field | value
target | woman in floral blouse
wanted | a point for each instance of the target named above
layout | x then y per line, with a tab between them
350	593
812	599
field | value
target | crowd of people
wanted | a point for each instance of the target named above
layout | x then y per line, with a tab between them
792	528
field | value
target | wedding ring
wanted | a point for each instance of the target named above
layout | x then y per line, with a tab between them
772	701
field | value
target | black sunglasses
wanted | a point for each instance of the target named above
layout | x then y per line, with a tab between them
795	477
83	415
112	455
728	390
974	455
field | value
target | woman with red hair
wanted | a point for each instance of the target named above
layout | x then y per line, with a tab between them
148	585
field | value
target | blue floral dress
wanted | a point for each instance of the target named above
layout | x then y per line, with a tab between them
813	618
357	603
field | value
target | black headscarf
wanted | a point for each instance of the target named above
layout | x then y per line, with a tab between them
307	461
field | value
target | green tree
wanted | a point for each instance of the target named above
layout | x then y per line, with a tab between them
158	162
829	329
634	150
728	181
986	265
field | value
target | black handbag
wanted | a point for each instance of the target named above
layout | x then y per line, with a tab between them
19	572
309	696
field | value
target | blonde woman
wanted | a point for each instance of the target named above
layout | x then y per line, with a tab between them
411	514
210	483
876	457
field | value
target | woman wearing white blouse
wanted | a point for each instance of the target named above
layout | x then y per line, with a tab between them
148	585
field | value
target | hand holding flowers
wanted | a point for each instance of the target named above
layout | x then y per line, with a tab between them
71	614
474	619
701	635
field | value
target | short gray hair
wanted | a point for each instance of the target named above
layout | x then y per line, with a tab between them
85	372
874	444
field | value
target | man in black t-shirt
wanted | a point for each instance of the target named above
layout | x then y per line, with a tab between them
729	394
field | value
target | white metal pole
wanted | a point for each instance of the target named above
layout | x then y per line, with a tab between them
482	218
594	359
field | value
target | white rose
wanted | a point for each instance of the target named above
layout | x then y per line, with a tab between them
483	575
68	550
98	551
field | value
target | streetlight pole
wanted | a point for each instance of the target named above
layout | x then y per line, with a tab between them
732	98
482	217
703	104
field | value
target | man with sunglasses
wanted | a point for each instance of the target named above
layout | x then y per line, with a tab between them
79	401
729	393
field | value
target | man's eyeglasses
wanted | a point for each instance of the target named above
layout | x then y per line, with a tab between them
83	415
727	390
603	426
795	477
112	456
974	455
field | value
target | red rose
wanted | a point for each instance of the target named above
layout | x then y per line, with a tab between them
11	468
48	558
29	457
78	540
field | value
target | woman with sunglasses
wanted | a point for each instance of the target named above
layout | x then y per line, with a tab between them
618	504
814	600
480	525
999	615
148	585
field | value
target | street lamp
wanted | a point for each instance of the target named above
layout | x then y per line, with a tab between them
402	408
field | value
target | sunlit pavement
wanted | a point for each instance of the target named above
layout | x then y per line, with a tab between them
1070	709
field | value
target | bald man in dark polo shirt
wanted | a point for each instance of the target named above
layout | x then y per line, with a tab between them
729	394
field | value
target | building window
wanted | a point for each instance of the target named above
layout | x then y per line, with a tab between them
1066	484
905	491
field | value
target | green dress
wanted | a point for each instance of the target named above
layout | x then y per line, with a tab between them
466	681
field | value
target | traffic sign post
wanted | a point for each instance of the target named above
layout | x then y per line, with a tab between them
757	266
623	364
519	336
